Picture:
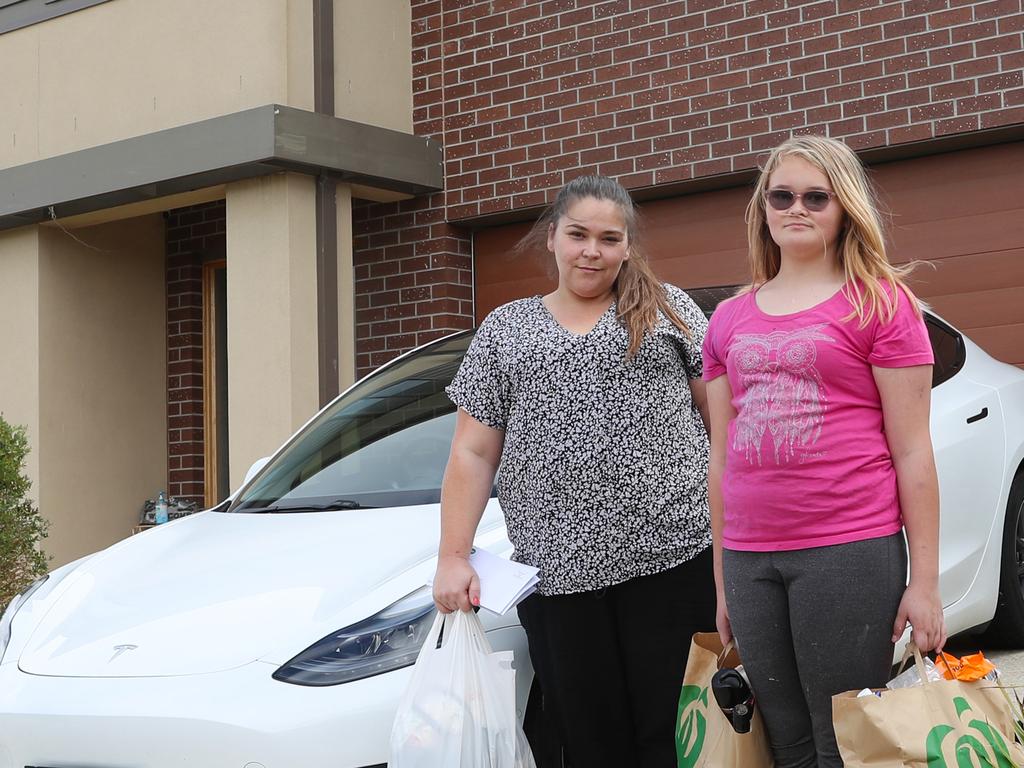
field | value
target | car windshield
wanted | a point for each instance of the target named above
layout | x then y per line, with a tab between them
383	444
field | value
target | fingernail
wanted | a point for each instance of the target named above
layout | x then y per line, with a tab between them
476	600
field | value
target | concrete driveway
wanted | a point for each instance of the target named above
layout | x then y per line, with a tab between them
1010	663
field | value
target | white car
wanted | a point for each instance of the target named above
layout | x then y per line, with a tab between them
278	629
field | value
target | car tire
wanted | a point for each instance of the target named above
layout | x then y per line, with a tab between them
1007	628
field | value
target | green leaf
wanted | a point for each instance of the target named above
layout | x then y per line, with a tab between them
22	528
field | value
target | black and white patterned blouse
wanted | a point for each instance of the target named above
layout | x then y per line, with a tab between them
604	466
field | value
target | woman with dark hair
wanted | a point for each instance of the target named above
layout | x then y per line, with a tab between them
590	399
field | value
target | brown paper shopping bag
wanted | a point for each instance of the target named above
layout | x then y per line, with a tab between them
944	724
704	736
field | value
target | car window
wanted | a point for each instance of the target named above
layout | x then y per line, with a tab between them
383	444
709	298
948	349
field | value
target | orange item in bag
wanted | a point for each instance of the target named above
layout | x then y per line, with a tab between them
973	666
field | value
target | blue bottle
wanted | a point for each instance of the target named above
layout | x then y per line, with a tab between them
160	513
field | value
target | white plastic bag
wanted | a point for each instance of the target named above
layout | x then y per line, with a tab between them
459	709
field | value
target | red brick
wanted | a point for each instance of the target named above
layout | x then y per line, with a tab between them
904	27
975	68
691	155
889	119
933	111
998	45
929	76
1011	116
951	54
906	63
1001	82
974	31
878	14
955	90
984	103
963	124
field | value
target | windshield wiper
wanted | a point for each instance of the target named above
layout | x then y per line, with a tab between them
330	506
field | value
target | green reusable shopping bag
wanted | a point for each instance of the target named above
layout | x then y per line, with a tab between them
704	736
944	724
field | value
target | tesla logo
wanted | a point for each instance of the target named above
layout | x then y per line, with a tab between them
120	649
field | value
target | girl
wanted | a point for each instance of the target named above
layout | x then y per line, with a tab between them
590	399
818	381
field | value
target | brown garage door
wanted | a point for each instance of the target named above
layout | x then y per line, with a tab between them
961	211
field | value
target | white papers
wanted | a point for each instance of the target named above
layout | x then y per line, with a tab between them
503	583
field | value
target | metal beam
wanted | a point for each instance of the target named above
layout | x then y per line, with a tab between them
255	142
326	210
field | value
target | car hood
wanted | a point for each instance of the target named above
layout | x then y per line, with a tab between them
216	591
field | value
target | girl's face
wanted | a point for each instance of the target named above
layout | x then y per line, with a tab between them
798	230
590	245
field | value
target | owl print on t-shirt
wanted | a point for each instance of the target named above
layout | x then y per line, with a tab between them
783	392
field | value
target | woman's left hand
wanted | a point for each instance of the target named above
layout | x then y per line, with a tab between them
922	607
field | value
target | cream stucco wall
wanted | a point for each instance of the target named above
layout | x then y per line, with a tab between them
19	341
102	381
373	62
132	67
272	314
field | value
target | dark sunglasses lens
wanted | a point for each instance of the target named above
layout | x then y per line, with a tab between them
816	201
780	199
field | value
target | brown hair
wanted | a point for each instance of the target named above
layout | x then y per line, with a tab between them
861	250
638	292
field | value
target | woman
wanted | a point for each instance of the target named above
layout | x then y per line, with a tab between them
590	399
818	382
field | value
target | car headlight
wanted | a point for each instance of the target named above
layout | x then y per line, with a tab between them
386	641
8	618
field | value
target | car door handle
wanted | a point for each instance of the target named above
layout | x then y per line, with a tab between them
978	416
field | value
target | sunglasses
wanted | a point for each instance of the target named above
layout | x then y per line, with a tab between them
813	200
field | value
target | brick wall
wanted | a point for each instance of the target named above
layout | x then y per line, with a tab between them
413	278
526	94
194	235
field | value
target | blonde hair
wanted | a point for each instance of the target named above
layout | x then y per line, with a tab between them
861	248
639	294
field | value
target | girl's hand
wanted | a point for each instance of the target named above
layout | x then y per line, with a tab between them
922	607
722	623
456	585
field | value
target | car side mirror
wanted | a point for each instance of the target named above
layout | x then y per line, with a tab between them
254	469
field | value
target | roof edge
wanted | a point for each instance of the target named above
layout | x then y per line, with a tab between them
219	150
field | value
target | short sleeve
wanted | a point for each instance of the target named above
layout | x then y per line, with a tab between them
480	386
693	316
713	352
902	341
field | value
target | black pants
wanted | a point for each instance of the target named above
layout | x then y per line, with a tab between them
611	662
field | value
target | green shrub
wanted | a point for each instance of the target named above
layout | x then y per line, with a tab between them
21	526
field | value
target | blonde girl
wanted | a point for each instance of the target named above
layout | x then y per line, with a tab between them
818	382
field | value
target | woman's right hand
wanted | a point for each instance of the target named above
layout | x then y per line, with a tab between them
722	623
456	585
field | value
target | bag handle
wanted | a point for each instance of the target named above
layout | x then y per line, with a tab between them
434	633
729	647
912	649
462	624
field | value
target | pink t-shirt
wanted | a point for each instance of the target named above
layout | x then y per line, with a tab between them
807	463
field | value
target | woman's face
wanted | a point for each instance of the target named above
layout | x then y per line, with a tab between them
798	230
590	245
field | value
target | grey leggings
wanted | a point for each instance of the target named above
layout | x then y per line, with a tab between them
811	623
